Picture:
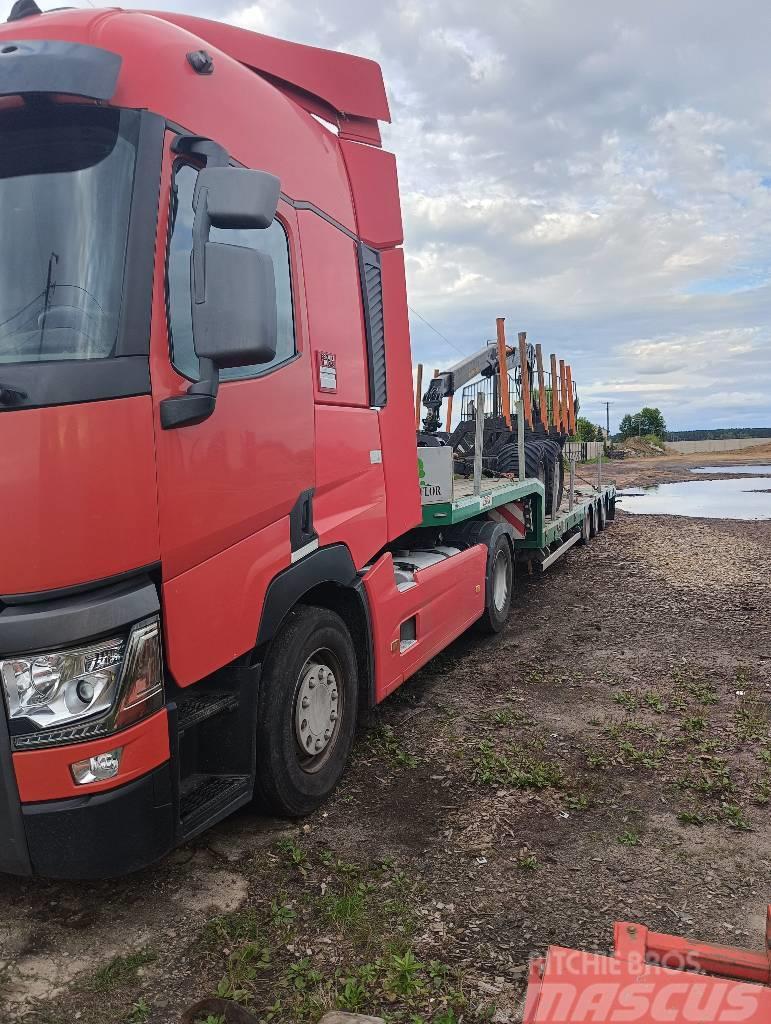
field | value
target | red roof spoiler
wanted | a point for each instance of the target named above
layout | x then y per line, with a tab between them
347	91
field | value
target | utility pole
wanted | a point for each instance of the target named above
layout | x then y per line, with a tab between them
607	419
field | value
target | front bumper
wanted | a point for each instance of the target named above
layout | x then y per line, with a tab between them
105	834
98	833
48	825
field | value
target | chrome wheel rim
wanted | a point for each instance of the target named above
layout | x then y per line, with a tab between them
500	581
317	709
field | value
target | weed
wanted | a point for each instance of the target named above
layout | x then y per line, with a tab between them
734	815
713	779
295	853
140	1011
505	717
518	769
352	995
751	718
626	699
526	860
654	701
691	818
596	759
281	914
404	974
701	691
347	908
577	801
382	738
629	838
120	971
233	928
693	724
762	794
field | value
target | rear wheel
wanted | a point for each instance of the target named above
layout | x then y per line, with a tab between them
601	515
586	527
499	586
306	712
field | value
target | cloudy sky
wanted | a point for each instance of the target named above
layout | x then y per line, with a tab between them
599	173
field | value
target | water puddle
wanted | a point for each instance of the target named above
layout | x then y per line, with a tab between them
751	470
708	499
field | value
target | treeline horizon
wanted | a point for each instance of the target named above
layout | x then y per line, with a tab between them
717	434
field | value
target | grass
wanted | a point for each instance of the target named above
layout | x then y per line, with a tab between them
516	768
120	971
383	740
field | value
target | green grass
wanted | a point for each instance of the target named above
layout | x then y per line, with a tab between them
383	739
120	971
517	769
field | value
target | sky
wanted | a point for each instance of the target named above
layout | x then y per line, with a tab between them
598	173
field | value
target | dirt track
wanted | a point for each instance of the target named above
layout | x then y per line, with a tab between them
608	756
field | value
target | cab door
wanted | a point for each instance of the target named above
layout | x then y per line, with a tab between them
233	490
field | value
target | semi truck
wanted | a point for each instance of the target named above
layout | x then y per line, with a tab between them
222	534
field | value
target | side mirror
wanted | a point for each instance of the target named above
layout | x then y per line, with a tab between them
236	197
233	288
236	323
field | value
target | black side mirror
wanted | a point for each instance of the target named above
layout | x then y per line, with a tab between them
233	289
235	323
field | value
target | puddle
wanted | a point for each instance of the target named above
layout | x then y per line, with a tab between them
752	470
707	499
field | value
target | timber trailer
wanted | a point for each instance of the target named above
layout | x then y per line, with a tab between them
222	533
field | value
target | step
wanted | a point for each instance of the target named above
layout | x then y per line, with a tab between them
194	709
204	797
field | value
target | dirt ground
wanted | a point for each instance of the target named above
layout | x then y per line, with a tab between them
608	756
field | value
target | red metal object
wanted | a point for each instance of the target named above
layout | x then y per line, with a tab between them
446	599
80	498
45	774
653	978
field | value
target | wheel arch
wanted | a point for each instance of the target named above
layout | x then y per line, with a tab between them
326	578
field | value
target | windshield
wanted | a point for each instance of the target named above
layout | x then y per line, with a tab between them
66	180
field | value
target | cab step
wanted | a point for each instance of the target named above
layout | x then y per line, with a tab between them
205	798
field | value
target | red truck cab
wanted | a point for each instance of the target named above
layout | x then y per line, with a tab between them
207	436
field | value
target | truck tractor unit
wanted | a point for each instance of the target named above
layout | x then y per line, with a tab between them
222	535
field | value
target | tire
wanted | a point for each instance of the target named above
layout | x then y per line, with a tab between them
592	522
600	515
586	527
292	780
611	509
499	586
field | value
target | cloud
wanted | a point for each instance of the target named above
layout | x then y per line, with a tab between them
598	173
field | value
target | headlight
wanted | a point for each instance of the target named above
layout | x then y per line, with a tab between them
112	683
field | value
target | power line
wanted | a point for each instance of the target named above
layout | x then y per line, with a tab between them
431	326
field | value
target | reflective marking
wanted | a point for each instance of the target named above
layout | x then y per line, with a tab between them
305	550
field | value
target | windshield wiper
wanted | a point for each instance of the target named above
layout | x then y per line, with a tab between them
10	395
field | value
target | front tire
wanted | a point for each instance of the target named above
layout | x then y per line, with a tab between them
306	712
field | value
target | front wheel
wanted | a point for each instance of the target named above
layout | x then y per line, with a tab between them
306	713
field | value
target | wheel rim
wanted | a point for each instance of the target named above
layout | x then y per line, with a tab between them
500	581
318	707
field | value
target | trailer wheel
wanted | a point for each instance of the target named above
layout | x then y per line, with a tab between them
600	515
306	714
499	586
586	527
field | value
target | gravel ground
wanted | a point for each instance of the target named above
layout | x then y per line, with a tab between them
608	756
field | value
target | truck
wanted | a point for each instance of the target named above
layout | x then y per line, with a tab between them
223	531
